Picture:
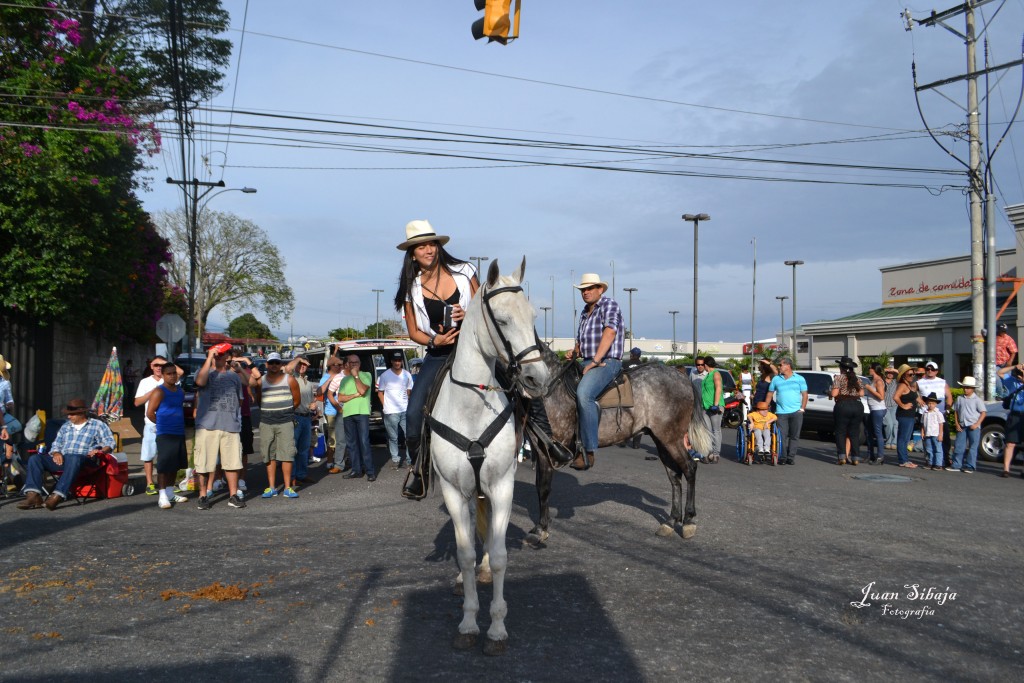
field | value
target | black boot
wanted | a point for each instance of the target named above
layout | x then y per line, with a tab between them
537	422
415	485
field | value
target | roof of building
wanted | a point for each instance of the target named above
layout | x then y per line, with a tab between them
913	309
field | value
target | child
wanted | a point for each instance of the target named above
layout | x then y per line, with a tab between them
970	413
165	409
760	423
931	432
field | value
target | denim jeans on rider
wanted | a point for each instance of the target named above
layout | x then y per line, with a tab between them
417	397
903	436
303	439
394	424
357	436
592	384
790	425
968	439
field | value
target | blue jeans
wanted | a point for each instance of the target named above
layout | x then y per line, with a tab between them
392	423
903	436
889	426
969	439
876	438
932	451
72	464
592	384
357	437
303	439
418	396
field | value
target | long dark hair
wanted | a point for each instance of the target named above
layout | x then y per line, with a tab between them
852	381
410	271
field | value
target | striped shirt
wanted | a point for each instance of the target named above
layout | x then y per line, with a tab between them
276	405
605	313
72	440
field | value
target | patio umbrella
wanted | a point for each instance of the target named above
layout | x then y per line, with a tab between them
109	398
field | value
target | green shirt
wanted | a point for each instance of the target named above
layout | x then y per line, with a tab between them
356	406
707	389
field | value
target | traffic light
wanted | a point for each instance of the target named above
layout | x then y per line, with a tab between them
496	24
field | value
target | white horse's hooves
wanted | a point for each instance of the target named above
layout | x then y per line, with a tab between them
484	577
495	648
664	530
464	641
689	530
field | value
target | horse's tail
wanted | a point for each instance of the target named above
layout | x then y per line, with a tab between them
700	430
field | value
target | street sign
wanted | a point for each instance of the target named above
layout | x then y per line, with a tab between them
170	328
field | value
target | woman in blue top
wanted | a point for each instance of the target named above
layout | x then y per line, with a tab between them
434	289
166	409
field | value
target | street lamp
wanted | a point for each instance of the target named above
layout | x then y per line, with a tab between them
782	317
612	264
794	264
630	290
376	325
552	308
673	313
696	218
478	259
545	309
245	190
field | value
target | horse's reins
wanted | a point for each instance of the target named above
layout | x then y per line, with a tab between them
474	448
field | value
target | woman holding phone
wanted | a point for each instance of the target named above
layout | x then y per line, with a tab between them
434	289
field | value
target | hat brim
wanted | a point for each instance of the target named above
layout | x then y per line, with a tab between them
440	239
972	385
585	285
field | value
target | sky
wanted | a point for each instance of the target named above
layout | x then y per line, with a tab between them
821	83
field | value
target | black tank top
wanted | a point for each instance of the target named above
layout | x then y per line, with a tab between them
435	315
911	398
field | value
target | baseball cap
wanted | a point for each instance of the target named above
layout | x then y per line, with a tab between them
397	355
635	351
1001	327
931	364
221	348
273	356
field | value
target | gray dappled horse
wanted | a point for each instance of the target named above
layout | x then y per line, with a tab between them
474	442
664	406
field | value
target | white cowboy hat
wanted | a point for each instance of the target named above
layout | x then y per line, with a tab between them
969	381
589	280
418	232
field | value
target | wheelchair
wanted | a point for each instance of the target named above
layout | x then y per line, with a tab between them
746	451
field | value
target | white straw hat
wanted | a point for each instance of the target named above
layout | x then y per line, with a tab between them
418	232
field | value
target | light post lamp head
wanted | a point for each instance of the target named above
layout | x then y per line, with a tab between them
696	217
793	263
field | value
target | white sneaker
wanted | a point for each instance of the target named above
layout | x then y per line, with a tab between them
179	499
165	504
242	486
219	485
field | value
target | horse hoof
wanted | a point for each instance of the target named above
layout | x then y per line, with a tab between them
458	590
664	530
689	530
495	648
484	577
464	641
537	537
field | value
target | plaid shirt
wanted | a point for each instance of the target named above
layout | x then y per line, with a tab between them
605	313
94	434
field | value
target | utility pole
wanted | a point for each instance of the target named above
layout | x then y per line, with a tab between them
630	290
673	314
376	325
983	275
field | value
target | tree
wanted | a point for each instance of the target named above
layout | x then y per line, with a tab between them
246	326
237	266
76	245
142	27
343	333
384	329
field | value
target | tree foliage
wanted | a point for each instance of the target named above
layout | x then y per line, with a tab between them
343	333
384	329
237	266
246	326
75	244
143	28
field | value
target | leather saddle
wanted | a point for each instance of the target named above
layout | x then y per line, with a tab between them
618	394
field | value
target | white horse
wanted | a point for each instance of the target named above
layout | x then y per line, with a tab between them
473	444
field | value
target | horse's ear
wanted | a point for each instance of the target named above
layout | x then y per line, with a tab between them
492	273
518	275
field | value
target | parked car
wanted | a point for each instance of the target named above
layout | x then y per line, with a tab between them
190	362
373	358
188	385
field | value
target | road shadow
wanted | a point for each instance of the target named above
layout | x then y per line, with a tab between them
255	668
557	628
568	494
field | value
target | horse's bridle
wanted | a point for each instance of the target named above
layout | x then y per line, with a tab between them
513	361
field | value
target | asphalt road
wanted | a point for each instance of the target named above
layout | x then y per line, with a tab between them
350	582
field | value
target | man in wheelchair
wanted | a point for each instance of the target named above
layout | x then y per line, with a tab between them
78	442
